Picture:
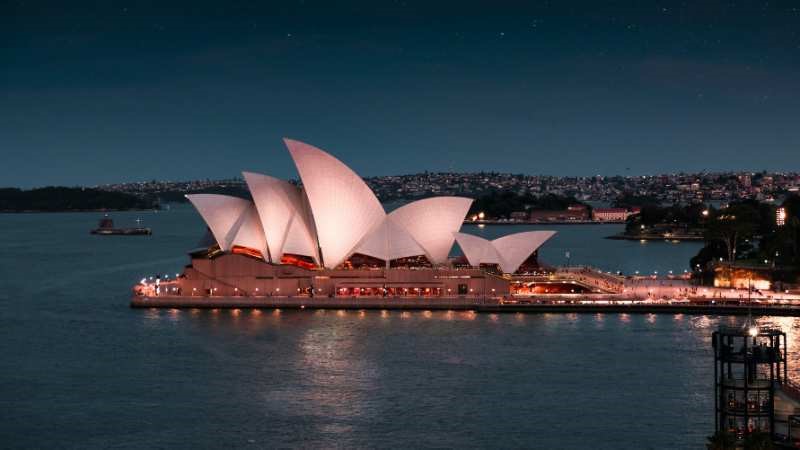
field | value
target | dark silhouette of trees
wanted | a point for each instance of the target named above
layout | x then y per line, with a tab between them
500	204
69	199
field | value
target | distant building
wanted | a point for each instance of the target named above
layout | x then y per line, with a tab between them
573	213
610	214
746	180
726	276
579	211
519	215
333	216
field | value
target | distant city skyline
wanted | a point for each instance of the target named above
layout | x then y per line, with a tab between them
666	188
106	93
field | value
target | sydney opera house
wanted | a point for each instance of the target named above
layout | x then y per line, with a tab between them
330	237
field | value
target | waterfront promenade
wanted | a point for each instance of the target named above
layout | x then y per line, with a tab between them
630	295
606	292
599	304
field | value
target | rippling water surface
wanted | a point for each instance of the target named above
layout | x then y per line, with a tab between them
80	369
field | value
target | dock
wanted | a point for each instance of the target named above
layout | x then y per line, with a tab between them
485	305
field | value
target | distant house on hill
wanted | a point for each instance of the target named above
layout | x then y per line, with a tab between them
573	213
610	214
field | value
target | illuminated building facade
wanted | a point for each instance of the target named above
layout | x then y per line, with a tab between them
332	237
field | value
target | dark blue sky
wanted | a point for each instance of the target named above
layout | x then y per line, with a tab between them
122	91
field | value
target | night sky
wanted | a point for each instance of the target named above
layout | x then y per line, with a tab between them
112	91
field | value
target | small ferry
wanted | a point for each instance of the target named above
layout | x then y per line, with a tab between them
106	227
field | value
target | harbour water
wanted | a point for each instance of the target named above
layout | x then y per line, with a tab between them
79	369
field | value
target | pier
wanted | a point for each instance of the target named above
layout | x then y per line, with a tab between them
531	305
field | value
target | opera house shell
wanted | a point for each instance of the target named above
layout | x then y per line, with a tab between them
508	252
316	237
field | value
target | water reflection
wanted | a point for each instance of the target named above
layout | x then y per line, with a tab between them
337	376
790	326
174	314
572	317
689	329
703	322
152	313
599	320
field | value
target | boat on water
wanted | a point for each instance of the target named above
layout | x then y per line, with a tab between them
106	227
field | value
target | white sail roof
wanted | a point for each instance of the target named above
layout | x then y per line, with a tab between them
284	215
509	252
250	233
515	248
432	222
232	220
343	206
388	241
476	249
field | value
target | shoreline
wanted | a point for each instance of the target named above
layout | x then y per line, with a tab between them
547	222
61	211
478	305
655	237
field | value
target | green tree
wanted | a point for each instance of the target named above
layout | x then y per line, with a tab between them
733	226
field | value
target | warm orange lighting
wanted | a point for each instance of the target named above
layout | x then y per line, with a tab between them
246	251
297	261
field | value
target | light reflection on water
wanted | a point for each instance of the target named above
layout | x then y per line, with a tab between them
790	326
699	327
80	367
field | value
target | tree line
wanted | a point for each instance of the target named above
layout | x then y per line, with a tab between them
69	199
500	204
